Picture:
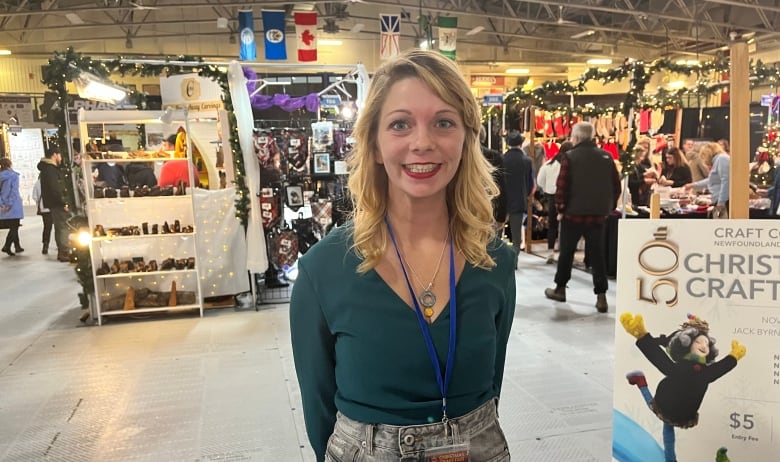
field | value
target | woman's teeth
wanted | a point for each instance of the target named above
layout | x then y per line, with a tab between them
420	168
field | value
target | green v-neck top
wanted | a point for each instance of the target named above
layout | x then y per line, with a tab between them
358	347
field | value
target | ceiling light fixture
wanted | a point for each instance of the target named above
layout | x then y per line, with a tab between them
517	71
94	88
677	84
688	62
599	61
475	30
330	42
74	19
222	23
129	43
583	34
4	52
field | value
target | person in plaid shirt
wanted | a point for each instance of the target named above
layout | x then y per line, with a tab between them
587	189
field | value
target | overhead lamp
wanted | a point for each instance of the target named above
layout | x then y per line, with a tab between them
129	43
222	23
167	116
74	19
94	88
424	44
689	62
583	34
677	84
4	52
330	42
475	30
517	71
599	61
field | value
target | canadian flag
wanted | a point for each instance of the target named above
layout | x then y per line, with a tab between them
306	30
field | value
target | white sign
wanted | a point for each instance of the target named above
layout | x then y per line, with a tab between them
26	150
697	341
18	107
198	94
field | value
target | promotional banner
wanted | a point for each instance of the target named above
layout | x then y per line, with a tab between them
306	31
196	93
448	33
246	32
273	26
26	149
697	341
390	38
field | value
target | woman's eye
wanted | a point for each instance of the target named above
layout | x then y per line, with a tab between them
445	123
399	125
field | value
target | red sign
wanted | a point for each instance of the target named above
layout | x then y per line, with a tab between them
487	81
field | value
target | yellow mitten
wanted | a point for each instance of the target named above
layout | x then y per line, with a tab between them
737	350
634	325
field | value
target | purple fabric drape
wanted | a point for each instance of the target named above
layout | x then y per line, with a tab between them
286	102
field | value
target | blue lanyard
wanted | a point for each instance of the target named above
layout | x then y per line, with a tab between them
442	379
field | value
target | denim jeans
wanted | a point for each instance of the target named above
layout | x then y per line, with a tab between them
354	441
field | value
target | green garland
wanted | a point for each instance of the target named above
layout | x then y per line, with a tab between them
760	73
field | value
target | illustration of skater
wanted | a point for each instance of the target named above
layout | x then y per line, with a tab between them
687	360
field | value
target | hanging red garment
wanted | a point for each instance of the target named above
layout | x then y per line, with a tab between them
644	120
611	147
567	123
558	124
551	149
539	121
548	125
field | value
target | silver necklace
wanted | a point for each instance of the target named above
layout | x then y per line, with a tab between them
427	298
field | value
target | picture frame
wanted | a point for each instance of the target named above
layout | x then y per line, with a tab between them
294	196
321	162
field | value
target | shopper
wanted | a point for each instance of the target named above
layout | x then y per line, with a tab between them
176	170
520	185
719	162
45	216
676	172
587	190
546	179
385	344
499	202
140	174
53	196
11	208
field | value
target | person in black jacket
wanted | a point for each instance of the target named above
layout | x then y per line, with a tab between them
53	198
520	185
140	174
499	202
586	192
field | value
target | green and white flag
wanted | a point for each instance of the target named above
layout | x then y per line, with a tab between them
448	34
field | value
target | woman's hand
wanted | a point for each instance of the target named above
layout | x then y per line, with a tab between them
634	325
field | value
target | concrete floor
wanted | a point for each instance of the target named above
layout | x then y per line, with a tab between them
223	387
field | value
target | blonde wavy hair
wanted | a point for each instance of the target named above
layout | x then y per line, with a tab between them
468	194
709	151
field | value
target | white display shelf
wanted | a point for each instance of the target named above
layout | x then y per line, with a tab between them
144	273
119	212
151	310
123	200
133	159
141	236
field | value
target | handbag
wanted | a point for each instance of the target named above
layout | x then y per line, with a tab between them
322	213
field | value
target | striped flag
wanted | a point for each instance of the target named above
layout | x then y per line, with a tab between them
306	30
247	50
390	41
448	33
273	26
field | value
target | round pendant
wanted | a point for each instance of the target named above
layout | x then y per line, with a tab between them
428	312
427	299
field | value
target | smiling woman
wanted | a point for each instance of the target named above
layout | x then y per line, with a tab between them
418	268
